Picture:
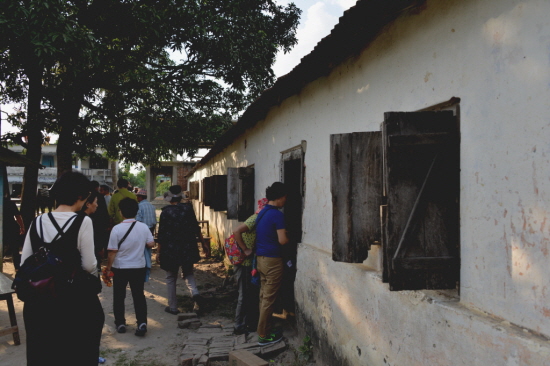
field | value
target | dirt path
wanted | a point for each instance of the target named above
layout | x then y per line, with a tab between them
163	343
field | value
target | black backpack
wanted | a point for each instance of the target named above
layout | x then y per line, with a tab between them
55	269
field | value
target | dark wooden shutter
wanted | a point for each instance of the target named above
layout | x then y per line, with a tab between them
233	186
421	180
220	193
207	191
194	190
356	187
240	193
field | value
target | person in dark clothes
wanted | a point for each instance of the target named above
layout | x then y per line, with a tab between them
65	330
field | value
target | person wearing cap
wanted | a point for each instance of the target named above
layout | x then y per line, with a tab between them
146	213
177	245
121	194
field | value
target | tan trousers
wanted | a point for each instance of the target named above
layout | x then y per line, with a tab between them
271	274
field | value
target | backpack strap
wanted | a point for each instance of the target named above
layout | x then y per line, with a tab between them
60	230
126	235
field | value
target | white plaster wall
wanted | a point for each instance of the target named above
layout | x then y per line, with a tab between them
495	56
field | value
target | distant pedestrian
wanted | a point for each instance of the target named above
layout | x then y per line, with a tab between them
147	212
106	192
177	245
127	261
101	219
121	194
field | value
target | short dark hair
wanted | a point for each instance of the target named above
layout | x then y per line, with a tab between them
275	191
122	183
94	185
70	187
105	187
128	208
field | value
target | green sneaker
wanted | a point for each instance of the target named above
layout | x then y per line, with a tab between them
270	339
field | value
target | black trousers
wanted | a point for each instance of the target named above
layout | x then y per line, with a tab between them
64	332
136	278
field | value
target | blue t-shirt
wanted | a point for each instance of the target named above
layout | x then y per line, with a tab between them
267	241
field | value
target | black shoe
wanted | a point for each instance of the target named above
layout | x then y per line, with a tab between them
141	330
121	328
171	311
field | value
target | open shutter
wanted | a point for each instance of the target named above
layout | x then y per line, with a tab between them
421	181
233	187
220	193
240	193
356	187
194	190
247	205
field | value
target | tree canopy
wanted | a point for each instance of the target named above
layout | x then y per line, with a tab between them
101	73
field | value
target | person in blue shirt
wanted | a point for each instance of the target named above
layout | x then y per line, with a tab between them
147	212
270	237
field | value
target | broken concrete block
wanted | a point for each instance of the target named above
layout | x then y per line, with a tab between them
204	361
196	360
195	325
187	323
274	348
216	342
246	346
212	326
186	359
185	316
245	358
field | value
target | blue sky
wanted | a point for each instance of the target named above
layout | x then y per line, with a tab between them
318	18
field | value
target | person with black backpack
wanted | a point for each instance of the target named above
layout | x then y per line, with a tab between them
64	319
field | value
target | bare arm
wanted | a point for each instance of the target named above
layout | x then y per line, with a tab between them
111	258
238	234
281	234
19	220
150	244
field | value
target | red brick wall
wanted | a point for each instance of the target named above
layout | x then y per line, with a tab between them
182	172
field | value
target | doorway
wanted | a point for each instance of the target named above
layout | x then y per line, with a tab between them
293	176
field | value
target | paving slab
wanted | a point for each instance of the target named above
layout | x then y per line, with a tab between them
186	323
186	359
204	361
195	350
246	346
245	358
185	316
196	342
221	343
273	348
209	330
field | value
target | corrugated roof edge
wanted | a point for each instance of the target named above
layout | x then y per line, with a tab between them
359	25
11	158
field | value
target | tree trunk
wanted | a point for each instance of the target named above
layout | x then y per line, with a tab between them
34	149
68	120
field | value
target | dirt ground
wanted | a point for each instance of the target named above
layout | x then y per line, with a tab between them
163	342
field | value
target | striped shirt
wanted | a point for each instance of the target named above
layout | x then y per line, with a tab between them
147	214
